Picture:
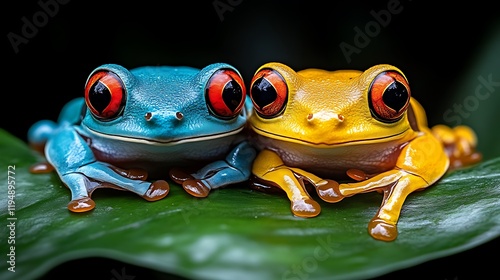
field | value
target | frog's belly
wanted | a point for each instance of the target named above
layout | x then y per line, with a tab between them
157	159
333	162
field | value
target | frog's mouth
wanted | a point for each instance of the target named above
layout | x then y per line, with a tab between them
161	142
402	135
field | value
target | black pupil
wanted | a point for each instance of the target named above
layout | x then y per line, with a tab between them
263	93
395	96
232	95
99	96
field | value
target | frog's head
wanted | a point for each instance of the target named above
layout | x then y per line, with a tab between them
164	104
319	107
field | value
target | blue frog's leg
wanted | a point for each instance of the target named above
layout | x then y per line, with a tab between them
79	170
41	131
235	168
74	161
77	167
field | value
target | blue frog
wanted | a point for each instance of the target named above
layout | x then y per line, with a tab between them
175	122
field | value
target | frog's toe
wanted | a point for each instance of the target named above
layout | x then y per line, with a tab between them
465	160
81	205
41	168
329	191
382	230
305	208
158	190
196	188
179	176
133	173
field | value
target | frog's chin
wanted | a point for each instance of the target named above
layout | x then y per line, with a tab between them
404	135
159	141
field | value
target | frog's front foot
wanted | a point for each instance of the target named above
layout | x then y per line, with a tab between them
301	204
191	185
156	191
235	168
270	170
82	188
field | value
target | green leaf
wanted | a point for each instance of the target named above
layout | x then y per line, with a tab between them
237	233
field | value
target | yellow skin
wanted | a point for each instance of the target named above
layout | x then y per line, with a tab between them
315	124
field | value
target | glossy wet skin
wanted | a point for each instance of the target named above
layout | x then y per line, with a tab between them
132	125
166	116
313	127
327	125
166	105
330	109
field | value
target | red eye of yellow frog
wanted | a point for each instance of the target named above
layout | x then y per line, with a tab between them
225	94
269	93
105	95
389	96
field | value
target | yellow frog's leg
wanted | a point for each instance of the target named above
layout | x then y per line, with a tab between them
460	144
269	168
421	163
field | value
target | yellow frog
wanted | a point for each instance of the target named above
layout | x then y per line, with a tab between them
315	124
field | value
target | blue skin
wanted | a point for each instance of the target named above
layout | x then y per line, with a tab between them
165	126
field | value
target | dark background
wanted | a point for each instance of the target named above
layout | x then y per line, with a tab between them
433	45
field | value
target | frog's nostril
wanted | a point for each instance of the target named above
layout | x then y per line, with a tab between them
179	116
325	116
148	116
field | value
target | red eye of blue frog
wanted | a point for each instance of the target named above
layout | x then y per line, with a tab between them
225	94
389	96
269	93
105	95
